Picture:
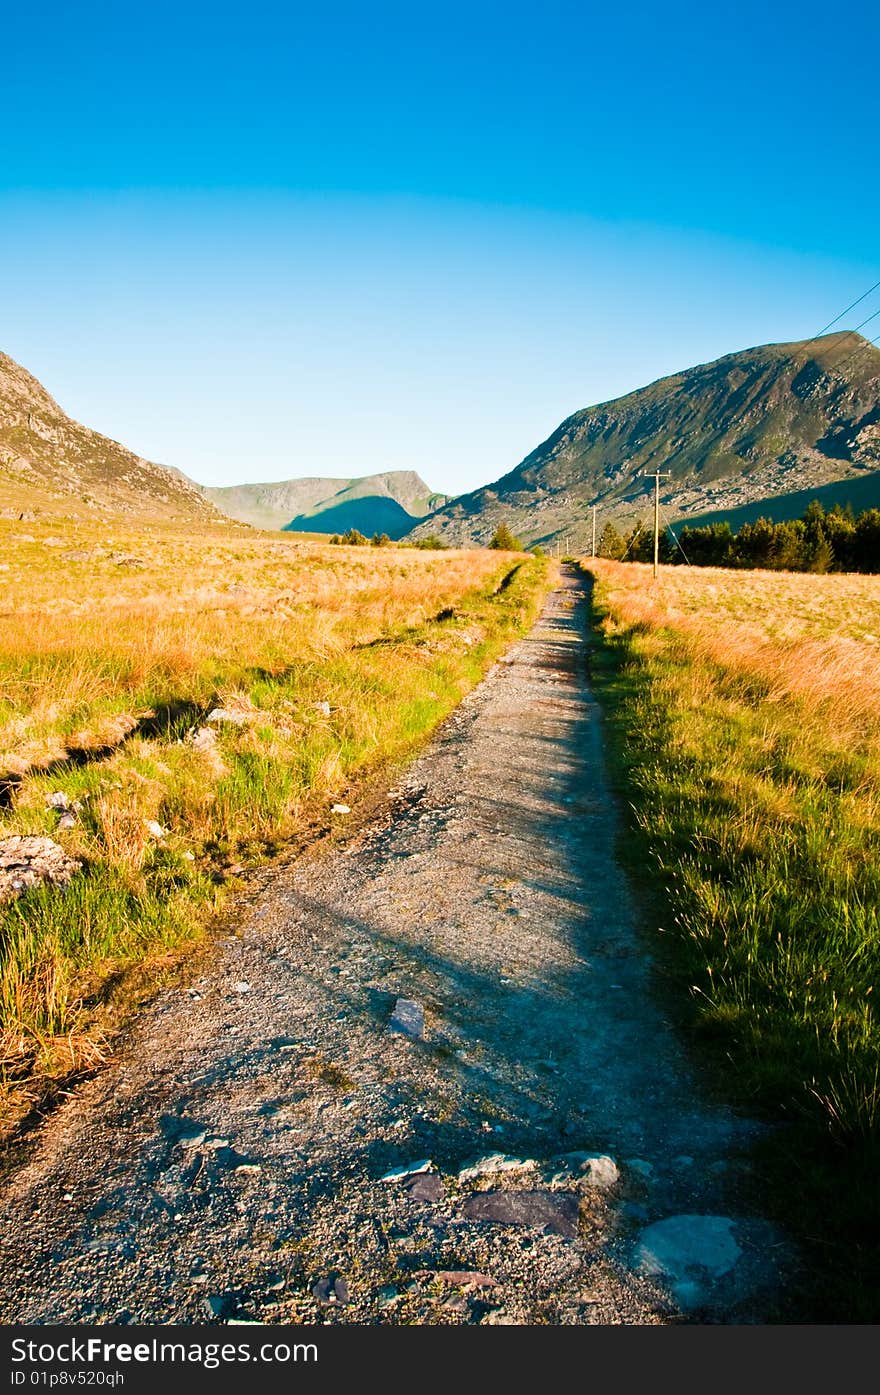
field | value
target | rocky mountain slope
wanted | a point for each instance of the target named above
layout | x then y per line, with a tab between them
761	424
386	503
51	465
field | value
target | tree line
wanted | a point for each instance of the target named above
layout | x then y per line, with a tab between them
502	539
836	540
355	538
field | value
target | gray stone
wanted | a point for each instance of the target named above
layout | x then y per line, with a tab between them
689	1253
596	1170
427	1187
600	1171
57	800
333	1289
228	716
68	819
408	1018
323	708
542	1209
219	1305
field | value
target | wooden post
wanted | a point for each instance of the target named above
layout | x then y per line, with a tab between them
657	476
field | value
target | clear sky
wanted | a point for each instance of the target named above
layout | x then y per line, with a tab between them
267	240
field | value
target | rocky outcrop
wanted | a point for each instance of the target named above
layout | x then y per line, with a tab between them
27	862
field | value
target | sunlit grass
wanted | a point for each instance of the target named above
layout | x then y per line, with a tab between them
749	725
108	669
744	714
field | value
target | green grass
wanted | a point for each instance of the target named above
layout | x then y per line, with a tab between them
758	806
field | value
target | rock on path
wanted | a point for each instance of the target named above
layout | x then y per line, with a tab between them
230	1162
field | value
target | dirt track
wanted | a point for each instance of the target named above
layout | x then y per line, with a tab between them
228	1163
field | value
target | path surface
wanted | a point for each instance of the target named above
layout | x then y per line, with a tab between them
228	1163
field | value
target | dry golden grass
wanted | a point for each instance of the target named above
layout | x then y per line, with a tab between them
88	638
814	638
114	648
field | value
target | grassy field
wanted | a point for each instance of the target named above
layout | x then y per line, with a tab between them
744	714
116	645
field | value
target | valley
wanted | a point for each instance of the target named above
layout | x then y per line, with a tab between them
652	810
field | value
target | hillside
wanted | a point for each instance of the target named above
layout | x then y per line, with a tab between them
53	466
761	424
385	503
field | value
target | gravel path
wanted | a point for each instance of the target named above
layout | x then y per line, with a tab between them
228	1164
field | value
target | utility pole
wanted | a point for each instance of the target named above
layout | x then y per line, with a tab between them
656	476
593	548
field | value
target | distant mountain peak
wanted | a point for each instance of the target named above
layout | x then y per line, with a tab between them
390	502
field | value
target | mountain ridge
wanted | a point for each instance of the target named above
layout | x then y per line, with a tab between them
51	464
757	424
390	501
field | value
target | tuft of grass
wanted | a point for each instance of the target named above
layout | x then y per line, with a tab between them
109	673
744	715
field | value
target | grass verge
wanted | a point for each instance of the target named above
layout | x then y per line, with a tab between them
745	731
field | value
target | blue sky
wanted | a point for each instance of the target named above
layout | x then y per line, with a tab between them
274	240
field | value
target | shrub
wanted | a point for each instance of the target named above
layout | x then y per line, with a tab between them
505	541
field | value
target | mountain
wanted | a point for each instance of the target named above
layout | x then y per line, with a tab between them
749	431
389	503
51	465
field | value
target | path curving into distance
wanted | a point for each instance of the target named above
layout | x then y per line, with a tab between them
251	1152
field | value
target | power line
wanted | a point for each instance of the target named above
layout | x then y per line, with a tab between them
862	297
864	322
668	527
867	344
848	333
638	529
